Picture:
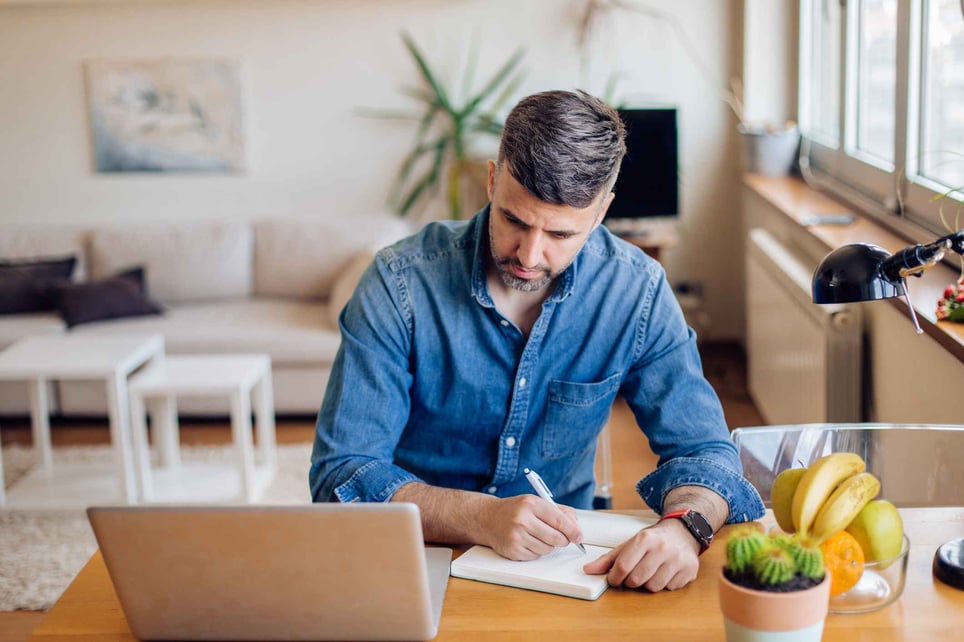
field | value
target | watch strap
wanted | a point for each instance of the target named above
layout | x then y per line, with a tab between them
702	532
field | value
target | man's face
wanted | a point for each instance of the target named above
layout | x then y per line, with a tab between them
533	242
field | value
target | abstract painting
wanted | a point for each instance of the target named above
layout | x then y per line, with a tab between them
166	115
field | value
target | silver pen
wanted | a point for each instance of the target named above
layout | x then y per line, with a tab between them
543	491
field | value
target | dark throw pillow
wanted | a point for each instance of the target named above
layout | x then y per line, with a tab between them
115	297
31	286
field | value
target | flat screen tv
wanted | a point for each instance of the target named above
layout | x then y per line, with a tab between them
648	184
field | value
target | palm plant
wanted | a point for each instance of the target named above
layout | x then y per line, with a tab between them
445	129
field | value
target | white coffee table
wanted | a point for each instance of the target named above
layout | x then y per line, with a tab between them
245	379
77	357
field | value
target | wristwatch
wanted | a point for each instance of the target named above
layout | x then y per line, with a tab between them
699	527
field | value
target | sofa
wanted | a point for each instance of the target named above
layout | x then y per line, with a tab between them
273	286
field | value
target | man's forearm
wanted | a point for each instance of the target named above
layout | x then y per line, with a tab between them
450	516
700	499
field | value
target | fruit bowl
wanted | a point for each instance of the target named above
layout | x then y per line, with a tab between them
881	584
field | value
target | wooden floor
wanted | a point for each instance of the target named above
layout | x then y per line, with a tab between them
724	365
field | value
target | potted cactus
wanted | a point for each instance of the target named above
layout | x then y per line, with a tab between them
773	585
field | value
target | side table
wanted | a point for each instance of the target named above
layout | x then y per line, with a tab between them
108	358
239	377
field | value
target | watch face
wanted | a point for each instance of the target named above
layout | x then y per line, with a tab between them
700	525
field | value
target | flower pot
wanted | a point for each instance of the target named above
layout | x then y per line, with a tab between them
765	616
769	152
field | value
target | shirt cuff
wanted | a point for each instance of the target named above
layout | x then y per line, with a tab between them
743	499
376	481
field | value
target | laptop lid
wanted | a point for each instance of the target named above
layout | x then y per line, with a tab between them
308	572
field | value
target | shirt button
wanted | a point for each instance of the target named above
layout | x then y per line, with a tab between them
491	490
510	441
504	323
522	382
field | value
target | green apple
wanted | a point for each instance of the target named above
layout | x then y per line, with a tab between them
879	530
781	496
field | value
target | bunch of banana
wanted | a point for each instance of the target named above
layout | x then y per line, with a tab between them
823	499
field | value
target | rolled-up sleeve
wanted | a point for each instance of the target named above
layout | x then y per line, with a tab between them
742	498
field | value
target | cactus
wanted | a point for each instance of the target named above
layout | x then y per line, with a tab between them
779	563
743	546
774	566
808	558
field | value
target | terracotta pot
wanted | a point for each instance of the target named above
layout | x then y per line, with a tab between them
764	616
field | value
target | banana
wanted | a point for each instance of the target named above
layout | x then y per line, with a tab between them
843	505
818	482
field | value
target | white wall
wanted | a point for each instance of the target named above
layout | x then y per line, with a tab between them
307	65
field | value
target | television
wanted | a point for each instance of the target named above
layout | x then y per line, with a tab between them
647	188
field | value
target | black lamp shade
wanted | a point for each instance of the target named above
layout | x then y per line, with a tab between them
852	273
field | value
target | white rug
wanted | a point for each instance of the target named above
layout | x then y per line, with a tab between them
42	551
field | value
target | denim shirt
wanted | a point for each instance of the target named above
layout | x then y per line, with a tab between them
431	383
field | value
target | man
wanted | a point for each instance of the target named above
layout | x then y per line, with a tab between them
474	350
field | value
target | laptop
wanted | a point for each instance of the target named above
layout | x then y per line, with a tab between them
308	572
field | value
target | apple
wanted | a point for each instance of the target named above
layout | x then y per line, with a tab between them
879	530
781	496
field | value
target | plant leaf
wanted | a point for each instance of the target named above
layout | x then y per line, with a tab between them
498	79
427	73
428	179
408	163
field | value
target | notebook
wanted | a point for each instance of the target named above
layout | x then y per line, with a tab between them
561	571
307	572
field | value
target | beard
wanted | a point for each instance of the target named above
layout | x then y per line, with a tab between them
516	283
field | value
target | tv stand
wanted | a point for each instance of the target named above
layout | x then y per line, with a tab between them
650	236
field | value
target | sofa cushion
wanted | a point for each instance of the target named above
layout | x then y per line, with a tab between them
31	286
302	258
185	261
14	327
291	332
346	283
34	241
115	297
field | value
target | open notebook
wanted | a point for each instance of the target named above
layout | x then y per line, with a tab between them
561	571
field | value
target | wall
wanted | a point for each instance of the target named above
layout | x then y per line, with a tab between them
307	66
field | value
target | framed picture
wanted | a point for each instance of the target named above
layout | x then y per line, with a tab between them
167	115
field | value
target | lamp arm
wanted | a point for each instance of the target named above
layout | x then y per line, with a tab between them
914	259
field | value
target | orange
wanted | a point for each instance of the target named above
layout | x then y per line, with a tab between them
844	560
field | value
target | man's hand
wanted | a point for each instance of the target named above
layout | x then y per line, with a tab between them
524	527
663	556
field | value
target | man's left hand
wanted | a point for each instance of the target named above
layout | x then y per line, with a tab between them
663	556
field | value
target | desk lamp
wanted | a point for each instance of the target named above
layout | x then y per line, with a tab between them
864	272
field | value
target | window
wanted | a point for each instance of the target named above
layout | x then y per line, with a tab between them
882	104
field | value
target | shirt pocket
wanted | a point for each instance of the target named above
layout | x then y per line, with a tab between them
576	414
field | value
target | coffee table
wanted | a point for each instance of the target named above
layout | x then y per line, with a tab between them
245	381
110	359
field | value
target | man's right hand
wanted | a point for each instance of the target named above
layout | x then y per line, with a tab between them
524	527
527	527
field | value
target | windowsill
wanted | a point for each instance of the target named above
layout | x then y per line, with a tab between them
795	199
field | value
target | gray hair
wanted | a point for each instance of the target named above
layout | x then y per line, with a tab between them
564	147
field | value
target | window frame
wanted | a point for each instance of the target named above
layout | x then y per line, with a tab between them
857	177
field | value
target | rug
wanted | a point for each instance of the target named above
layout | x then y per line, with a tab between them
42	551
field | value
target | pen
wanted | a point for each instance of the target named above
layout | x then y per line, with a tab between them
543	491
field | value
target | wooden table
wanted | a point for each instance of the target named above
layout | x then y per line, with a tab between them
928	610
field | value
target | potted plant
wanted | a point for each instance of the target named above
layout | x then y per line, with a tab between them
446	127
773	585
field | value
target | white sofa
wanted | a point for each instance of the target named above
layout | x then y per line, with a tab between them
272	286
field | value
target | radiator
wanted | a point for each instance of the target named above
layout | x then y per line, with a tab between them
803	359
